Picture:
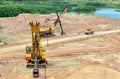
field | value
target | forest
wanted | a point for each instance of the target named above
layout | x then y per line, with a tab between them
10	8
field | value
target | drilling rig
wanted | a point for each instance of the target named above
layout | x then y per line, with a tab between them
36	54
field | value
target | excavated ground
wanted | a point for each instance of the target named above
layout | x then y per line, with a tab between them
93	57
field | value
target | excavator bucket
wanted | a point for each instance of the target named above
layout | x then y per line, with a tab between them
35	73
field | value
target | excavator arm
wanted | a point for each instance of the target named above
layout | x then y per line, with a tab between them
61	15
47	29
62	32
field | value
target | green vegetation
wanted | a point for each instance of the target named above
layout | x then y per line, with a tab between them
91	6
96	4
111	5
84	9
10	8
14	7
57	29
14	10
1	27
117	10
2	38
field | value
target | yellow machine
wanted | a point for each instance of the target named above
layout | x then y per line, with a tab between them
35	54
48	30
89	32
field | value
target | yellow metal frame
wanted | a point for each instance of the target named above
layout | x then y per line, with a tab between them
41	49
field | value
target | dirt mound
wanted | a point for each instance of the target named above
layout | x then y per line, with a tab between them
79	22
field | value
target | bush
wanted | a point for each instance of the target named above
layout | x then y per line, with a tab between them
96	4
113	5
0	40
85	9
1	27
11	10
117	10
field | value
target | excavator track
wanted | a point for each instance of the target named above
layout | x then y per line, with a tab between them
30	65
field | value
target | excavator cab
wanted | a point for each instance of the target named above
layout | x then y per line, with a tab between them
28	49
28	53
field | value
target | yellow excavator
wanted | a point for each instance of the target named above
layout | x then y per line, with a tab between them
89	31
49	30
36	53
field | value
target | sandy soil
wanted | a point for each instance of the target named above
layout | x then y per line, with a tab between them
72	56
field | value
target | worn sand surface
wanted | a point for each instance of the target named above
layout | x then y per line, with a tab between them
72	56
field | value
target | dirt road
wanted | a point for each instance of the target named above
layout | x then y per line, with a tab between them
88	63
19	47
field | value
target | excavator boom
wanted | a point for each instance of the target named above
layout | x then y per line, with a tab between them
46	29
61	15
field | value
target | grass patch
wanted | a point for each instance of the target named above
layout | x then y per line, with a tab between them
57	29
85	9
1	27
2	38
96	4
